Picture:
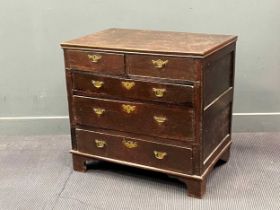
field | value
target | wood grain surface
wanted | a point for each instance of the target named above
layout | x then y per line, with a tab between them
165	93
153	41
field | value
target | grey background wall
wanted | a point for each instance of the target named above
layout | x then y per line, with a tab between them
32	85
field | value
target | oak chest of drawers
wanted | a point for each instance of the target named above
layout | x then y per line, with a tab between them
160	101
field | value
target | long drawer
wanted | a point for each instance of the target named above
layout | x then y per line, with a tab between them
135	150
166	121
132	89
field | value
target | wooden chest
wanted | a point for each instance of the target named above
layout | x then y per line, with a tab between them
159	101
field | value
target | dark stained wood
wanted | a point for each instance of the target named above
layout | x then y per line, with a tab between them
115	148
216	124
230	48
156	139
153	41
217	78
216	153
113	87
69	87
195	187
226	155
233	54
197	150
176	67
178	124
198	82
109	63
79	163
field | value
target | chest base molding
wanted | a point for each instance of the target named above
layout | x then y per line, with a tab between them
196	185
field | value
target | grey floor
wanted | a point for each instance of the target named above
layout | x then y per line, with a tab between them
36	173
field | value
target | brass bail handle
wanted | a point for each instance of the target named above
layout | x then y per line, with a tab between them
94	58
128	85
129	144
159	64
99	111
159	92
100	143
160	155
97	84
160	119
128	108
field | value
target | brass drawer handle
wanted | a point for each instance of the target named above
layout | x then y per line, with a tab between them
128	108
97	84
99	111
159	92
128	85
159	64
129	144
94	58
159	155
160	119
100	143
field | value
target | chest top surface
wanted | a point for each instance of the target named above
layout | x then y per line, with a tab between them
153	41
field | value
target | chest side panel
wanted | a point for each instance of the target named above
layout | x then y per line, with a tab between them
218	84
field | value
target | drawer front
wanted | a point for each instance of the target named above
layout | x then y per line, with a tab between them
155	120
95	61
162	66
135	150
115	87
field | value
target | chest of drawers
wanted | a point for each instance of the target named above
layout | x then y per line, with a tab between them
159	101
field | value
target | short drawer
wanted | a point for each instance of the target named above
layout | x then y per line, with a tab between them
133	89
133	150
179	68
95	61
166	121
